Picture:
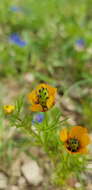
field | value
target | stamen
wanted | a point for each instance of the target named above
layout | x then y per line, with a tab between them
43	96
73	145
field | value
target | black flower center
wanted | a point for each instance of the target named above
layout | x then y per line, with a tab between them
43	96
73	144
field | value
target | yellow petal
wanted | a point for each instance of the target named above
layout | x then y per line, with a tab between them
83	151
8	108
77	132
37	108
32	97
50	102
64	135
52	90
85	140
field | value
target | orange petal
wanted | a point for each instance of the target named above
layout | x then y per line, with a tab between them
36	107
50	102
52	90
77	131
85	140
83	151
63	135
32	97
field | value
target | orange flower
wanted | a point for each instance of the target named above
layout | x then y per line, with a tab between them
8	108
42	98
75	140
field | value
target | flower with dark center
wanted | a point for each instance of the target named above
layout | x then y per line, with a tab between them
42	98
8	109
75	140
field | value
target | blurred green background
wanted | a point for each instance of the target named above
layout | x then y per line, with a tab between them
47	41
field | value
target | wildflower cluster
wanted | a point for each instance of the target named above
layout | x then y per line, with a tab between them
45	130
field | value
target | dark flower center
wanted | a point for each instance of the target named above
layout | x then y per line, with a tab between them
73	144
43	96
7	106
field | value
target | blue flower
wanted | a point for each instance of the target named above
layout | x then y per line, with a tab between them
80	43
15	8
21	9
38	118
15	38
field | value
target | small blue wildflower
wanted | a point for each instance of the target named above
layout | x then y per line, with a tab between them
80	42
15	9
38	118
20	9
15	38
79	45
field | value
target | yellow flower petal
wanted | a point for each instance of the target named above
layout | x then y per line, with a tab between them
52	91
36	107
64	135
77	132
50	102
85	140
8	108
32	97
83	151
